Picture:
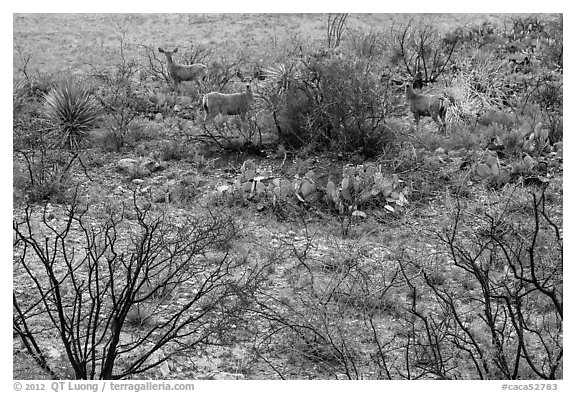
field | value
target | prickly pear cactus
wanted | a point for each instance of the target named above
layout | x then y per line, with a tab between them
360	186
248	182
364	184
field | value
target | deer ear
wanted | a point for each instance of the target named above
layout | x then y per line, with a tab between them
239	74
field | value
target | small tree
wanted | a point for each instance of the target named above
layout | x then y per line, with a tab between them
119	98
328	98
488	304
497	307
421	49
335	27
122	296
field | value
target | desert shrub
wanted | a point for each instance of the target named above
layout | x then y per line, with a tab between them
175	151
71	112
491	116
175	267
44	175
222	71
185	192
548	95
143	130
122	101
490	288
518	74
480	34
329	100
33	81
513	142
422	48
485	78
556	126
464	139
29	125
529	33
552	46
364	44
517	244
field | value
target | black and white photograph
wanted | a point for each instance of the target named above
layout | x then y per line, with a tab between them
267	196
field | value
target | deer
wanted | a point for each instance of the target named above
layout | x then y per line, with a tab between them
427	105
215	103
179	72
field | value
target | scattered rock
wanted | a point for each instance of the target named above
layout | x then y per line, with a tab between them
191	180
148	164
307	188
140	167
162	165
128	165
359	214
226	376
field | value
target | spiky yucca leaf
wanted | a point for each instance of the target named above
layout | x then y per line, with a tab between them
71	112
281	76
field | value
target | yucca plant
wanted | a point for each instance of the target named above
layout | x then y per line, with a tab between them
71	111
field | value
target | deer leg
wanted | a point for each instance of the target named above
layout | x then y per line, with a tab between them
209	116
438	123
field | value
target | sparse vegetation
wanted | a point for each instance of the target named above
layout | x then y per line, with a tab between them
314	232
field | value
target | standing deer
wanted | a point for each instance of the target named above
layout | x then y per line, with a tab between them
427	105
179	72
229	104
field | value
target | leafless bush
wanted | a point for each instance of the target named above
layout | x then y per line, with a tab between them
421	49
45	175
122	296
510	271
488	304
120	98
